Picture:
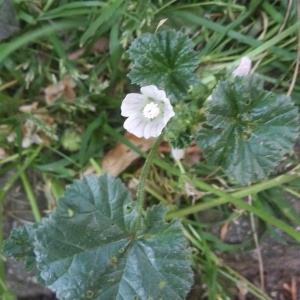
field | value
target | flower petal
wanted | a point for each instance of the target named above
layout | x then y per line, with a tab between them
133	103
135	124
154	127
177	153
168	112
243	68
153	92
140	124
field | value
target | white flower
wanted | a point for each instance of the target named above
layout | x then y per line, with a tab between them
148	113
243	68
177	153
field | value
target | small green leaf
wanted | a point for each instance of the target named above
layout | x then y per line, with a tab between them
248	130
20	246
165	59
94	246
71	140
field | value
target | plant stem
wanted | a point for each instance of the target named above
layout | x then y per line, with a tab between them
96	166
142	182
31	198
2	266
21	169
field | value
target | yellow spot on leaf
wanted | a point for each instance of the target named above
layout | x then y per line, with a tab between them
162	284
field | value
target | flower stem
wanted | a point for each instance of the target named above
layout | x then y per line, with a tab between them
142	182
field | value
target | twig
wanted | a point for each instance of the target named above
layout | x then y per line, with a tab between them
296	70
287	14
294	288
259	256
286	17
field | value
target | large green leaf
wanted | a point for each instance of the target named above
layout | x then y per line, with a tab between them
165	59
248	130
94	246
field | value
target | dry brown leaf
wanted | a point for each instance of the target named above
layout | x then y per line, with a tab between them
101	45
224	230
161	22
45	118
69	84
64	88
243	288
119	158
3	153
291	288
53	92
30	134
29	108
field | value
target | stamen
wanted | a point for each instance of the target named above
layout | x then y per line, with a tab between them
151	110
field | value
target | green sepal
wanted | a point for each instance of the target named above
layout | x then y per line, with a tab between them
165	59
248	130
183	139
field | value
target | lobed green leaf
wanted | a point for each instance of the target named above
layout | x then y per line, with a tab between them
248	130
165	59
95	246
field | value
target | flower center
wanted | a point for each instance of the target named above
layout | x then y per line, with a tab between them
151	110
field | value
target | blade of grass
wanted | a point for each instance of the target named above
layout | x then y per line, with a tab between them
74	7
216	39
234	198
275	40
234	276
107	12
236	35
21	169
98	122
31	36
115	50
30	195
253	189
96	166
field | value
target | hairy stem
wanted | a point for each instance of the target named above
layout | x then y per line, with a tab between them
142	182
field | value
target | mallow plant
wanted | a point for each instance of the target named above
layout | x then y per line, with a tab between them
99	243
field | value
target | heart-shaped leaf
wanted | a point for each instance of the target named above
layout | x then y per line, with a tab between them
248	129
95	246
165	59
